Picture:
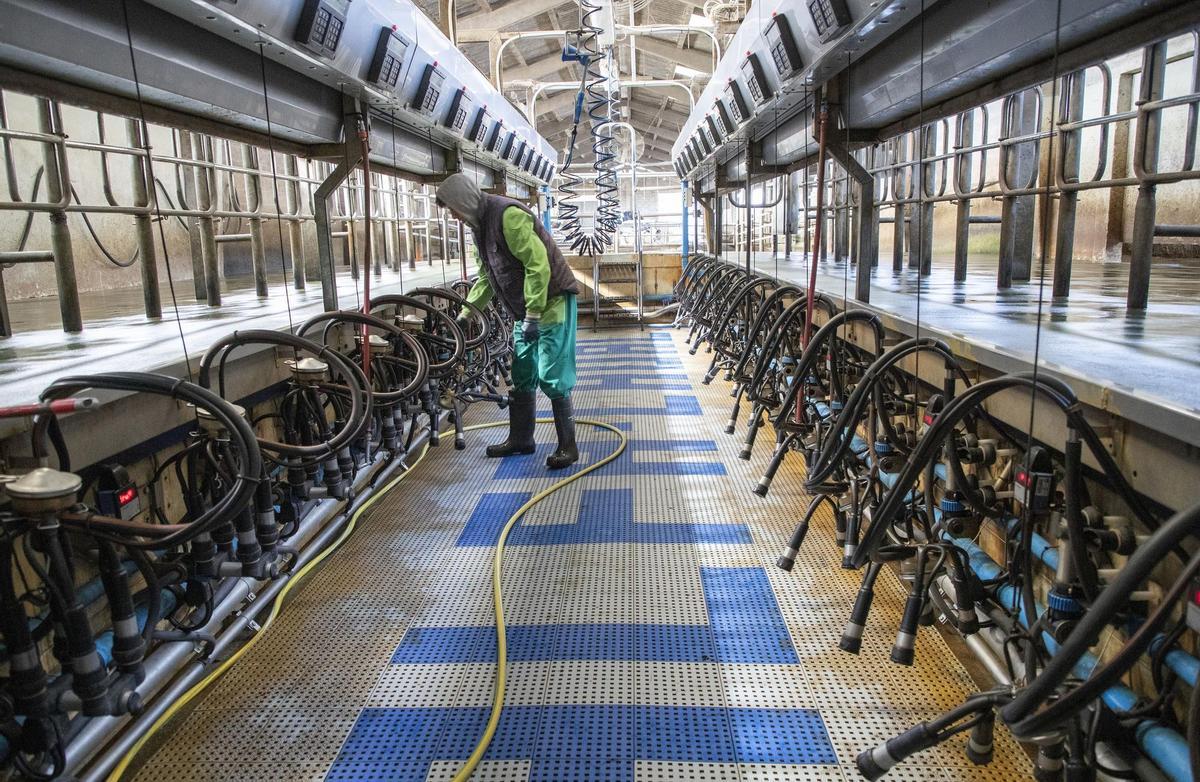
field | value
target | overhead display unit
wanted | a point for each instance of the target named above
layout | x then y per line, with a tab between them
781	42
756	79
493	139
429	90
739	112
479	126
460	109
509	143
830	17
390	59
716	126
321	25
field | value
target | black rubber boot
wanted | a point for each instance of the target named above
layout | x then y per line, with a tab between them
520	426
564	424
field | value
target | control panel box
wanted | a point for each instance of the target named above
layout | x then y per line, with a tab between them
509	143
479	126
390	59
493	139
429	90
830	17
781	42
756	79
460	109
739	112
518	156
321	25
717	128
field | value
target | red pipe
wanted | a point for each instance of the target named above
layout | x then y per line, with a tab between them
822	118
58	407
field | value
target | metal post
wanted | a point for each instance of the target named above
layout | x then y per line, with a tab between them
58	190
718	225
683	187
462	248
195	243
143	177
208	234
1018	164
258	253
1115	233
963	165
788	223
923	210
868	218
898	223
1071	110
749	216
295	230
841	219
1145	161
321	217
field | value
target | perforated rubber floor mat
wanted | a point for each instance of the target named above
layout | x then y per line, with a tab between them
651	635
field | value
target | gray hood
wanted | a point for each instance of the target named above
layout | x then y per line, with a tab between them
460	193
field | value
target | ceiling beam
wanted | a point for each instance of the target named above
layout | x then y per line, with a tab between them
507	15
696	59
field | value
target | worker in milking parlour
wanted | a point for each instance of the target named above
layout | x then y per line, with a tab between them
520	264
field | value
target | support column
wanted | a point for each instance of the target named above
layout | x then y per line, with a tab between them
143	178
963	168
189	201
208	234
295	229
258	253
683	187
58	190
898	223
1071	110
1019	164
868	218
1145	161
321	216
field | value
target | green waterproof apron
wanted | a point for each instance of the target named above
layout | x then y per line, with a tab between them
548	363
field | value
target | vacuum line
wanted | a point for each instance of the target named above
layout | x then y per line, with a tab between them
498	595
293	579
501	671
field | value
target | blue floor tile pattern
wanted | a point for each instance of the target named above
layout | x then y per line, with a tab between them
579	742
605	516
755	635
655	640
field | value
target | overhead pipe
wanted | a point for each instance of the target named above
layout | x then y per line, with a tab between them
645	29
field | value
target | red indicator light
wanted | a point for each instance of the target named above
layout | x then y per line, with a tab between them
1023	478
928	418
395	27
126	496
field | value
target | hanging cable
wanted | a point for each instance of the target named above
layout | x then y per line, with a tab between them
262	62
153	193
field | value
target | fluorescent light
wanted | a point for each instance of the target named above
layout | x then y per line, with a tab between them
683	72
700	21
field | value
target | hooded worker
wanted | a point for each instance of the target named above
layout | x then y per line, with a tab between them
521	266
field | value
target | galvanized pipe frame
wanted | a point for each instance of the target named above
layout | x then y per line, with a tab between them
212	179
905	172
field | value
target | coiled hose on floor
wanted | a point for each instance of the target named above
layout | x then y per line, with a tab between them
497	600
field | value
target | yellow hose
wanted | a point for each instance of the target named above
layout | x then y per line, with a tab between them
501	670
498	596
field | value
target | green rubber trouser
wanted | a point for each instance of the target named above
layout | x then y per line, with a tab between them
549	363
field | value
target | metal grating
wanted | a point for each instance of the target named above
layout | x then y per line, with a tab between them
637	652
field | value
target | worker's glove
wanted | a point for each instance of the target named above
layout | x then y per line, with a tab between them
463	320
529	330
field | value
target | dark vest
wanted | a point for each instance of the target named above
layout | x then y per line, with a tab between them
504	270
